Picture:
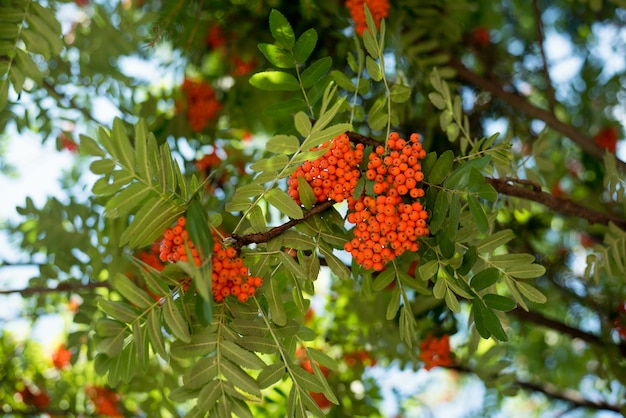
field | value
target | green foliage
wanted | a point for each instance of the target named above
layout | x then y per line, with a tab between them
38	30
494	270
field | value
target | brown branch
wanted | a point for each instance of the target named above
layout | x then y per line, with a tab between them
570	396
539	319
72	103
261	237
520	103
542	52
61	287
558	204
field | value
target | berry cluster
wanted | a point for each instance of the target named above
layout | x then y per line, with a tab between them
332	176
175	240
202	106
230	276
378	8
436	352
390	222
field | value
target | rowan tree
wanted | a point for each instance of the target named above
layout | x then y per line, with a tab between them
287	199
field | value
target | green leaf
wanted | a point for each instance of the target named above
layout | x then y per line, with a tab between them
441	168
260	344
342	80
305	44
307	196
383	279
153	323
28	66
307	380
285	108
399	93
442	204
485	278
271	374
175	321
208	396
285	204
283	144
531	292
394	304
319	137
336	265
277	310
281	30
428	269
498	302
130	291
506	261
303	125
493	324
240	356
526	271
494	241
373	69
323	359
200	345
274	81
111	346
277	56
121	205
239	378
203	371
118	310
477	212
315	72
437	100
371	46
106	327
452	302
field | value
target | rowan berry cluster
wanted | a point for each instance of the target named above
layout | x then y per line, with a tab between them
607	138
202	106
378	8
175	242
390	222
230	276
436	352
332	176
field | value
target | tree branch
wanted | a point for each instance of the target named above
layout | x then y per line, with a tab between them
520	103
62	287
261	237
558	204
568	395
542	52
539	319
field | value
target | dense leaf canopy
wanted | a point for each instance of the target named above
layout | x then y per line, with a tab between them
275	206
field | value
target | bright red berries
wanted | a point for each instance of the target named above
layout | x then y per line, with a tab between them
202	105
436	352
229	275
332	176
175	242
378	8
390	222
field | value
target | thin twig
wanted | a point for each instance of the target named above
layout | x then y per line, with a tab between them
542	52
